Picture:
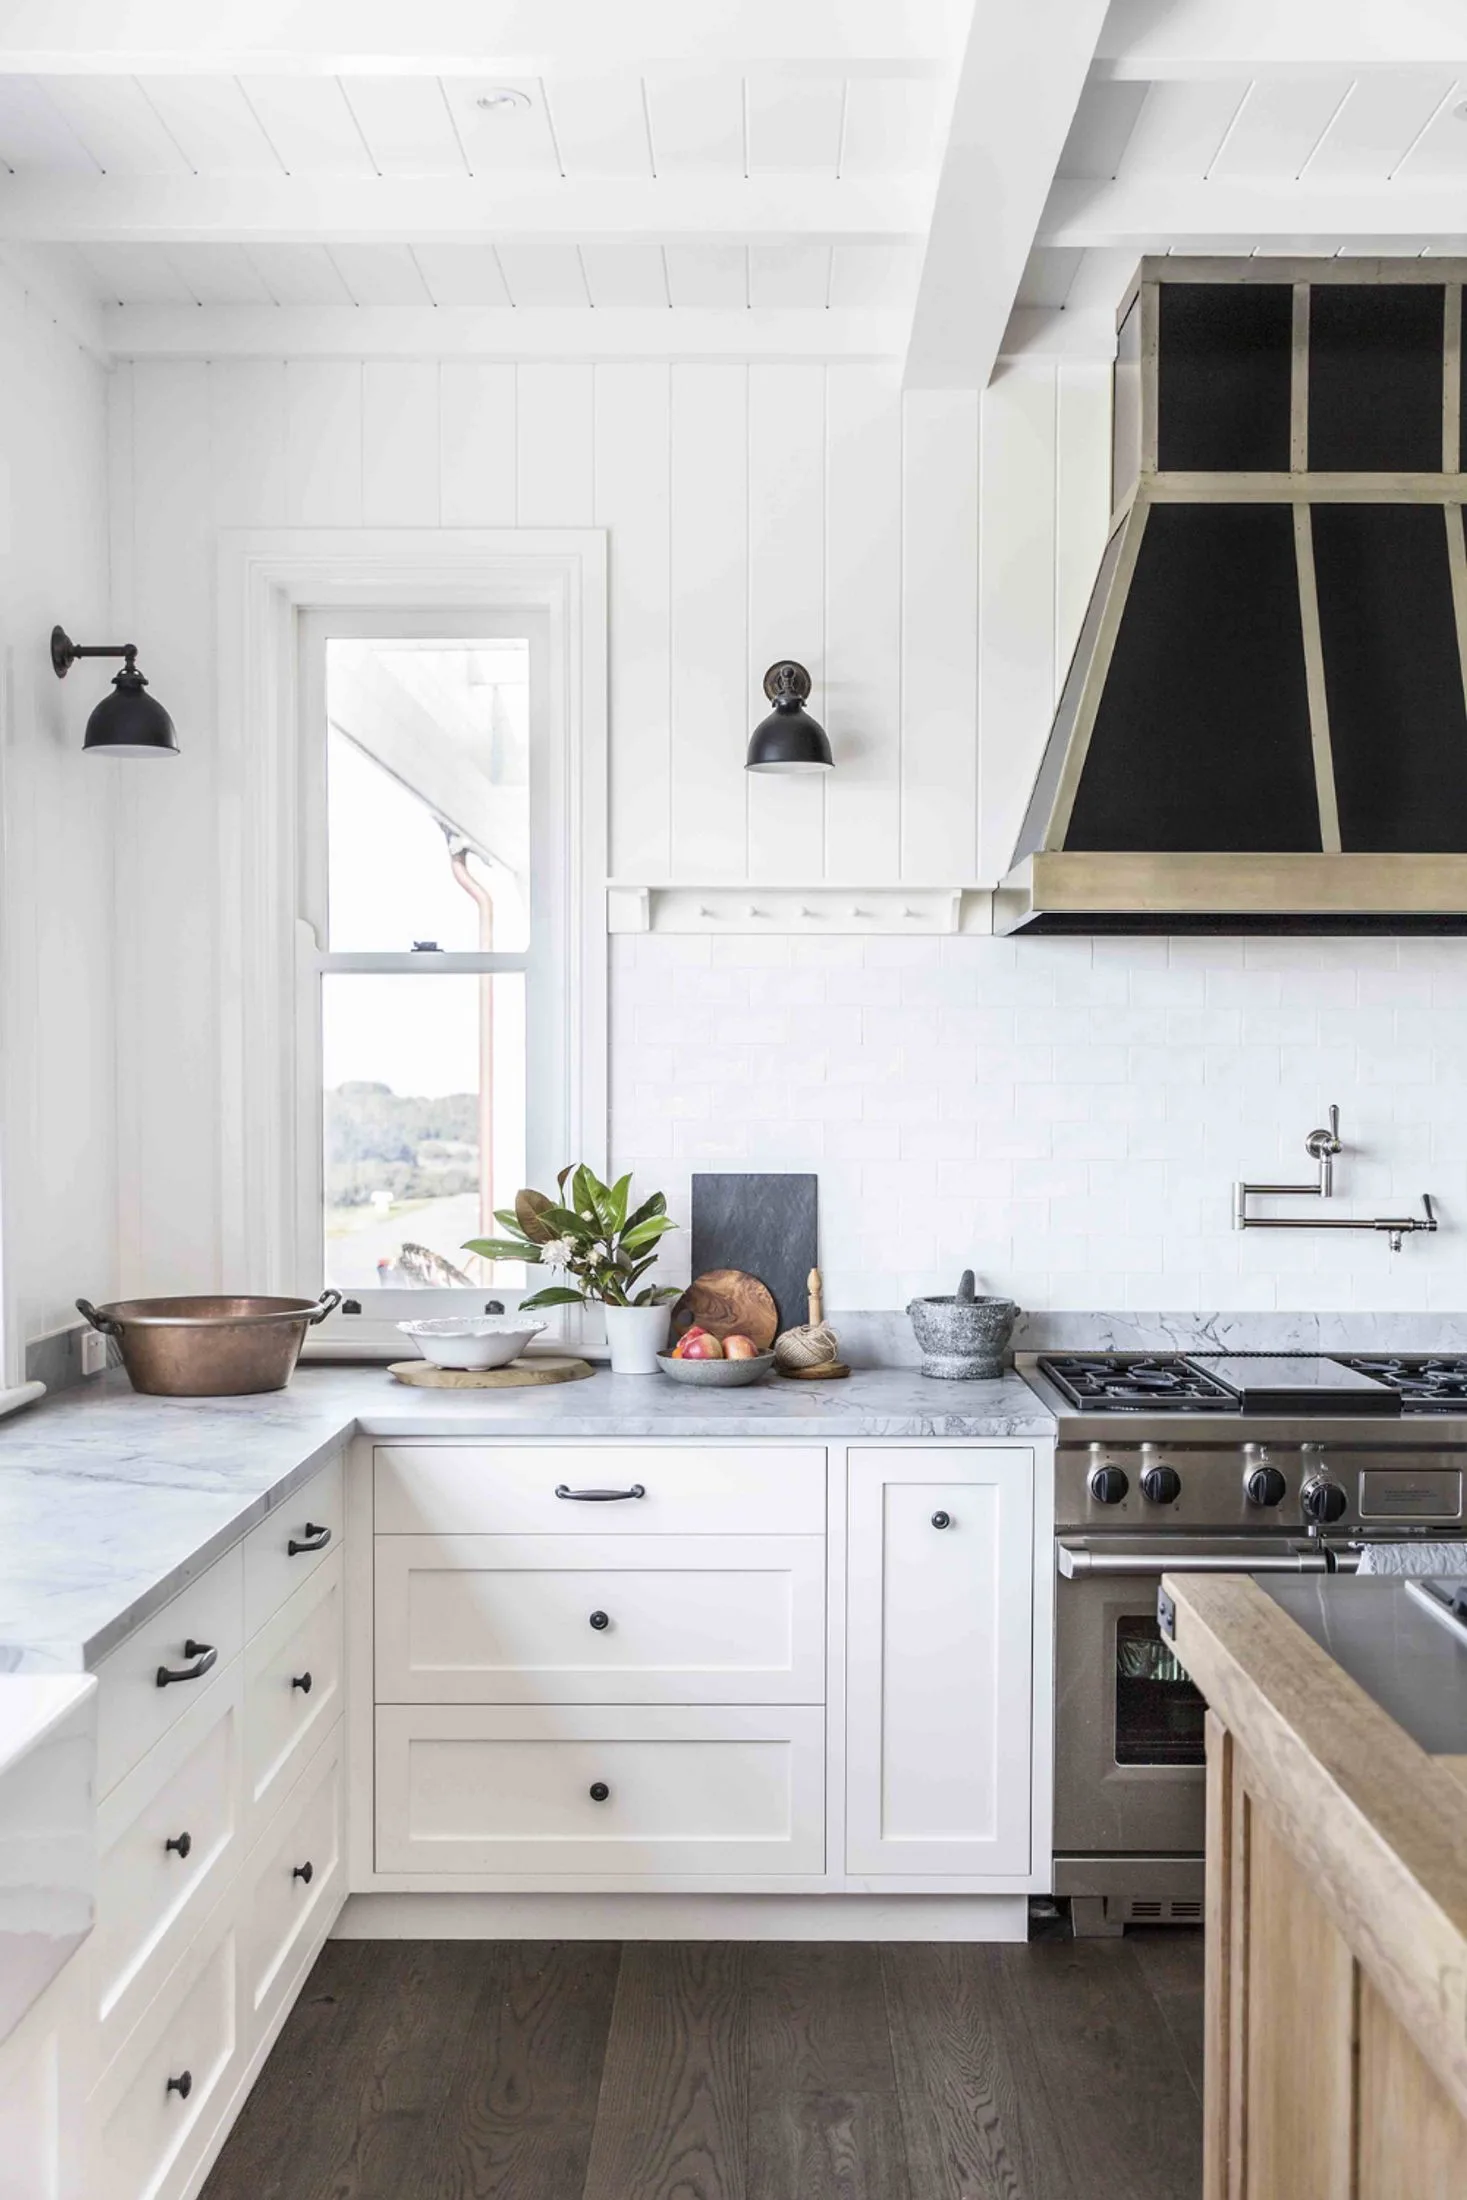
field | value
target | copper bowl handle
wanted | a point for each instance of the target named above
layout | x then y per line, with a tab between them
326	1304
103	1323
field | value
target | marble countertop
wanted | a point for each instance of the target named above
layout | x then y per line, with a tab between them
110	1503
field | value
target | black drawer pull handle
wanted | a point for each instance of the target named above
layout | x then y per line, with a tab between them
203	1654
600	1621
942	1520
179	1845
305	1872
314	1539
182	2086
599	1791
598	1497
302	1681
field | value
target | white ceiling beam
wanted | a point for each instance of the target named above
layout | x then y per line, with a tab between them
1156	41
1188	214
460	332
1021	81
1059	332
510	38
80	209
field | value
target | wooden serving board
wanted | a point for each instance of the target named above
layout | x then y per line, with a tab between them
518	1375
728	1303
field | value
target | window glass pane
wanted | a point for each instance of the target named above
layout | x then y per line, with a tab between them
427	794
425	1125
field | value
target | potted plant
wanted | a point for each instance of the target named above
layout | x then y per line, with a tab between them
602	1252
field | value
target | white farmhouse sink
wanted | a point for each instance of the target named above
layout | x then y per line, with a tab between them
48	1753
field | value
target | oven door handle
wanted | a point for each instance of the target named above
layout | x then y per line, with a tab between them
1080	1565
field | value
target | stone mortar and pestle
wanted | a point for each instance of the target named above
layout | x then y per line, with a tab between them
963	1338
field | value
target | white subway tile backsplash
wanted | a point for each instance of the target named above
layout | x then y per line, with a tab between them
1065	1116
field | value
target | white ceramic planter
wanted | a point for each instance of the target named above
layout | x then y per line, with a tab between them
636	1334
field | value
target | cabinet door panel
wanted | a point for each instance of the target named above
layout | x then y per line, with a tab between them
940	1661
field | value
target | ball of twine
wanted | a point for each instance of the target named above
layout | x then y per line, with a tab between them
810	1346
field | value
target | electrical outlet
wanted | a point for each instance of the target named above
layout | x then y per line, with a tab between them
94	1352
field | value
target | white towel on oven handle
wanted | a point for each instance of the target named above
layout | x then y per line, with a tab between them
1423	1560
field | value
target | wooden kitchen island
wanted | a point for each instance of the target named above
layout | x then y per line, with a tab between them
1336	2050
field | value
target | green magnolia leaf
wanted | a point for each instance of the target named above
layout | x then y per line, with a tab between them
555	1295
646	1233
511	1222
530	1209
564	1222
618	1200
503	1249
568	1170
657	1294
656	1205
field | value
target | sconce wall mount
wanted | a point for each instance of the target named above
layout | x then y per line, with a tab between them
129	721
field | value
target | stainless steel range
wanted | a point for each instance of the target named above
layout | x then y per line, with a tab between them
1172	1462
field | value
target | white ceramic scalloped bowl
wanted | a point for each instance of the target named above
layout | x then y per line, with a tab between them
472	1342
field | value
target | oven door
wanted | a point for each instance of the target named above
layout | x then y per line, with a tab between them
1130	1759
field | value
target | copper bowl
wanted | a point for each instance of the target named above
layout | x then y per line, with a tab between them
209	1348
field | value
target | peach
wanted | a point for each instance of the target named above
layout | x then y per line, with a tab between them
698	1345
740	1348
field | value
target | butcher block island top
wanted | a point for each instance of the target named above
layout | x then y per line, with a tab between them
111	1502
1336	1910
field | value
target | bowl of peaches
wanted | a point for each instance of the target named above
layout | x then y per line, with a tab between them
715	1363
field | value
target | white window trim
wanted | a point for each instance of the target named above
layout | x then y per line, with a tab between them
266	578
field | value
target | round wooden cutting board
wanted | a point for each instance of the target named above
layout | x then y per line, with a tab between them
728	1303
423	1375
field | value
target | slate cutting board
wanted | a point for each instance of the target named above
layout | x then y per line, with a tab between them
766	1225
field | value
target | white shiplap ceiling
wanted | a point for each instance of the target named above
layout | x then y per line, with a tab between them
931	177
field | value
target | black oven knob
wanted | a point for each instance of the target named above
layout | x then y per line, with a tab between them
1108	1485
1323	1500
1160	1485
1265	1486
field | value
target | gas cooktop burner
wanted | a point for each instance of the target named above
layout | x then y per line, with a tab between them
1425	1383
1137	1384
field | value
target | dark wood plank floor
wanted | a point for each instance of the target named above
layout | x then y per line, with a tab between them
463	2070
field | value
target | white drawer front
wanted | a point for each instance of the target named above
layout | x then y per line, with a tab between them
292	1887
479	1790
284	1551
145	2133
493	1489
168	1837
135	1709
600	1619
292	1686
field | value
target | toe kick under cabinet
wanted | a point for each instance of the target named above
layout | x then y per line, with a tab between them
722	1663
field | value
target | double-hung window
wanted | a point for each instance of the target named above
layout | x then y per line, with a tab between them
433	951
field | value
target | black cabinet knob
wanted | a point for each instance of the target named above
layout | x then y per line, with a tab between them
1160	1485
1266	1486
942	1520
182	2085
179	1845
600	1621
1108	1485
599	1791
305	1872
303	1682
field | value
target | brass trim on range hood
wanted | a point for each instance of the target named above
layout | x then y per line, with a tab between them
1090	890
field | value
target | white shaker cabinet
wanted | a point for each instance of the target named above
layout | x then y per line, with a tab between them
939	1648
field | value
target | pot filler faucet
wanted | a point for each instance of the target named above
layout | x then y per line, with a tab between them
1322	1146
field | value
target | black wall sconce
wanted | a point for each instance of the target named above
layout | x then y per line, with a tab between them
128	722
789	739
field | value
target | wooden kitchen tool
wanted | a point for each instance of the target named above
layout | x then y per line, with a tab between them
518	1375
727	1302
811	1353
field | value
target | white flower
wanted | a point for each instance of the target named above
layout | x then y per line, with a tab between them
557	1253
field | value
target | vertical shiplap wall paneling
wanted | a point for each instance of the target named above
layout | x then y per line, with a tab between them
172	1062
940	491
786	601
476	437
126	872
555	442
1016	599
1081	499
710	627
400	449
863	594
633	486
323	431
247	430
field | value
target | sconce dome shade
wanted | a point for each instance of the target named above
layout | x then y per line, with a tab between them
128	722
789	739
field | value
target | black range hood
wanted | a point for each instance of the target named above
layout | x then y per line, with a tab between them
1264	726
